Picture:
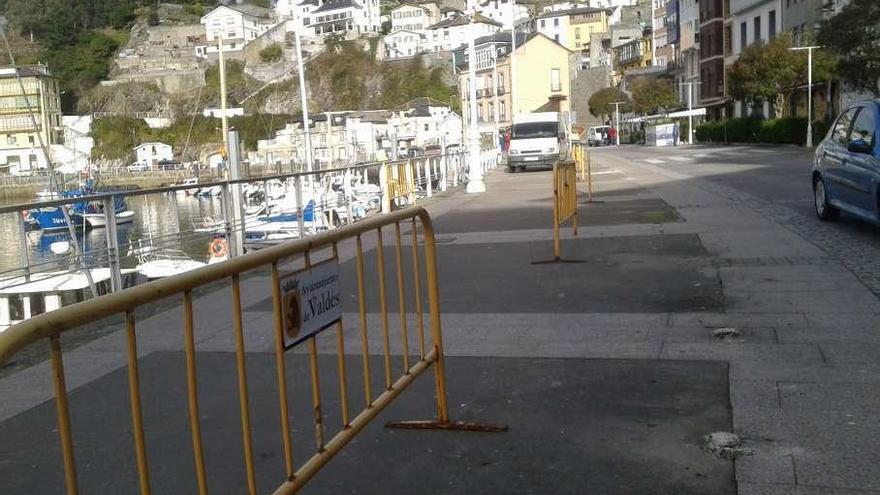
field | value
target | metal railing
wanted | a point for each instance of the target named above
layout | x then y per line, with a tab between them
581	156
309	253
338	209
565	205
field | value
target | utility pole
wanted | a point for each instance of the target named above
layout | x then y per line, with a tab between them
690	86
495	91
653	37
475	174
809	50
223	118
617	121
303	98
512	58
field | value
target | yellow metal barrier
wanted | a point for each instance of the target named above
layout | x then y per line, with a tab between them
564	205
581	155
51	327
399	181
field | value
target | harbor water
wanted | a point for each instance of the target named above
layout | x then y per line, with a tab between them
164	221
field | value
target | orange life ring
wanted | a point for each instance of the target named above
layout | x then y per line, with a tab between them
217	249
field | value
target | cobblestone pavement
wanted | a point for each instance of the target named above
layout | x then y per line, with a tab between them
856	249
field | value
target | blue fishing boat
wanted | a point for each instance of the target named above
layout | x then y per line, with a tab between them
83	214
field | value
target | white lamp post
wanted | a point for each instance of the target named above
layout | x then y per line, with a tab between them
809	50
617	121
690	86
304	101
512	57
475	173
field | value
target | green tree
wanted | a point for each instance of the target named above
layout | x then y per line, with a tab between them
601	102
651	95
854	35
772	71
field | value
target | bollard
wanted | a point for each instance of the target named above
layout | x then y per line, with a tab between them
385	190
428	177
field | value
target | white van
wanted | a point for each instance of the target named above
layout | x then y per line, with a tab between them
599	135
537	139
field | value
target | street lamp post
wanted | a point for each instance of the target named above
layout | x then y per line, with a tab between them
617	121
690	86
809	50
512	57
475	174
304	100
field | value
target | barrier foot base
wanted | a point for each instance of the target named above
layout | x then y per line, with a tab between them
557	260
447	425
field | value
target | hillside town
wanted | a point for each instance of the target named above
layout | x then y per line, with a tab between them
600	247
569	51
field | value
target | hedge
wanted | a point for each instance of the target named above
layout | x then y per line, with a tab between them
787	130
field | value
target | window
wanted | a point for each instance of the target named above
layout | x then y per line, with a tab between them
577	33
543	23
864	127
501	112
757	29
556	37
771	25
556	22
743	37
841	127
555	82
31	139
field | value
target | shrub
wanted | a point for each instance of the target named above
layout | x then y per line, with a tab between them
786	130
271	53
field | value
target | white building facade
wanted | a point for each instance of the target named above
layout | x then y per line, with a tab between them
236	26
151	154
455	31
750	22
404	43
348	18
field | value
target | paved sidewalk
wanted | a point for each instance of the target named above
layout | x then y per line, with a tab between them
666	261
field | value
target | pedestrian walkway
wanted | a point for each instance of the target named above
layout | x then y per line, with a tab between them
687	315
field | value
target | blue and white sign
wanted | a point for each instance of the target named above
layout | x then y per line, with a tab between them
310	300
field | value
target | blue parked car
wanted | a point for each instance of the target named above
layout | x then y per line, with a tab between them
846	168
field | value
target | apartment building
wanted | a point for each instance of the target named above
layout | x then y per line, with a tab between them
543	80
712	13
20	150
348	18
750	22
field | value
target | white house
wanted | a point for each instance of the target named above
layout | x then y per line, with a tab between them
404	43
236	26
499	10
349	18
414	17
152	153
454	31
425	122
298	12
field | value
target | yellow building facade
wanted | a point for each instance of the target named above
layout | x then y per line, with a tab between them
542	82
19	139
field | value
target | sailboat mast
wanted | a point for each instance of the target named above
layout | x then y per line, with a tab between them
223	116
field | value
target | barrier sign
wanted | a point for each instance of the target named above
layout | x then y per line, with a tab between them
310	300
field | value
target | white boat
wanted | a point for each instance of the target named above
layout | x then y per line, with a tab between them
165	263
22	298
97	220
